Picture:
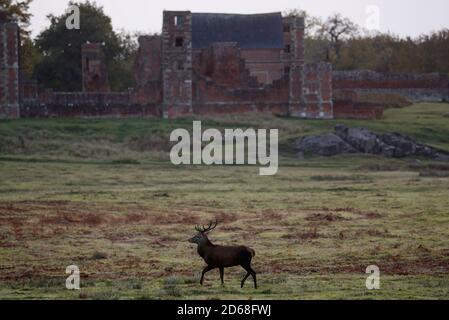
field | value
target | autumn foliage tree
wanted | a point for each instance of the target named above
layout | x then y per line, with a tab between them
347	46
60	67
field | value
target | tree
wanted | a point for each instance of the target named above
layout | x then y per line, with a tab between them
336	29
123	67
20	10
29	57
60	67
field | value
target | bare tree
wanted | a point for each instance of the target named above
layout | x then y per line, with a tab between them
336	29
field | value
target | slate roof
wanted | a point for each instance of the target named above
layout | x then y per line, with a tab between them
250	31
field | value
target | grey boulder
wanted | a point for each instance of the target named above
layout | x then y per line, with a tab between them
324	145
361	140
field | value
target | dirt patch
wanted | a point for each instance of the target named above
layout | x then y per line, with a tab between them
312	233
372	215
392	265
271	215
130	218
331	217
89	219
359	212
224	218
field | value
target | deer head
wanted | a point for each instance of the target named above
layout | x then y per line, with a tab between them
201	236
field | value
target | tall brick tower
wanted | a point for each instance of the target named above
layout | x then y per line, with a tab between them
294	53
177	62
95	72
9	67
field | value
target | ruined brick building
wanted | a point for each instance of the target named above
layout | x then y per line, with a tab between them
9	67
202	63
224	63
234	63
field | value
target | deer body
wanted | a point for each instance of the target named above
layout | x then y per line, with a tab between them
221	257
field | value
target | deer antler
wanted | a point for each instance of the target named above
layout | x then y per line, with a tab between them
211	227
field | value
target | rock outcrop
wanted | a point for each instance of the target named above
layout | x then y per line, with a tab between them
361	140
324	145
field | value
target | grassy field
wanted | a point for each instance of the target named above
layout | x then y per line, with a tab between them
101	194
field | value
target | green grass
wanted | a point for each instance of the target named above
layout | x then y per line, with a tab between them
123	216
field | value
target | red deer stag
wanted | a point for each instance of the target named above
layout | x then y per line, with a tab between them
221	257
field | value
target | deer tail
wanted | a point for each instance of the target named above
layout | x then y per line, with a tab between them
253	253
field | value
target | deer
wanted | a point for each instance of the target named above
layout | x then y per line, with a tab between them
221	257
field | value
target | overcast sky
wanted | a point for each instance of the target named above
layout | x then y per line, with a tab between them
402	17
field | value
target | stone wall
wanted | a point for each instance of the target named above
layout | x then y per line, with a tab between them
431	87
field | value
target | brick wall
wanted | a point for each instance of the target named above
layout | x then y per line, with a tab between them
416	87
223	64
148	71
294	55
348	109
317	91
222	83
94	69
211	97
29	91
264	64
177	63
9	67
83	104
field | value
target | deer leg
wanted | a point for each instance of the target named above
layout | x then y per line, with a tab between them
207	269
253	274
250	272
222	275
244	279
